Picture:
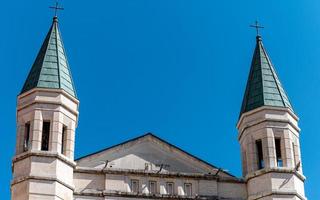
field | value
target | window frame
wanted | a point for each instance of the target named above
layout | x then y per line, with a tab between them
185	189
155	187
172	190
137	189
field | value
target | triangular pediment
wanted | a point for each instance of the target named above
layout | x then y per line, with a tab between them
150	153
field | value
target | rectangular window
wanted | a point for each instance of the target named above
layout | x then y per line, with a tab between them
170	188
135	186
278	152
45	136
26	137
152	187
188	189
64	140
259	154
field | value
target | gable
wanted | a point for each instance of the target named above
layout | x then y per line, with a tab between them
148	152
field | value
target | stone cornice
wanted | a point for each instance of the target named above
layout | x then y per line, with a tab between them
106	193
276	193
49	90
76	113
267	120
44	154
262	120
25	178
59	91
266	108
274	170
155	174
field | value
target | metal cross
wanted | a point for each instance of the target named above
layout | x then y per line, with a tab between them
56	8
257	27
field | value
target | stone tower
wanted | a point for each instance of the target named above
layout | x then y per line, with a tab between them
47	114
269	135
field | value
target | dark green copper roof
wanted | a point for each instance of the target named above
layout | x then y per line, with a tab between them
263	86
51	69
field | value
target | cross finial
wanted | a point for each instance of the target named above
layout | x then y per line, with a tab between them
257	27
56	8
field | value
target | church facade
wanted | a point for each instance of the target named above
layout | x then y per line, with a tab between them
148	167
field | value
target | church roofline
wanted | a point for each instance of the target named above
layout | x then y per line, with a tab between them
163	141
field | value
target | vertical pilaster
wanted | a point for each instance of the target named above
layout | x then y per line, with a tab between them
56	136
269	149
36	130
70	140
19	136
286	148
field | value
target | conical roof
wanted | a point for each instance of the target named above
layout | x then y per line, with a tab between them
263	86
51	68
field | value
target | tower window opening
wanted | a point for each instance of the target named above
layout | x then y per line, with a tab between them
26	137
259	154
45	136
278	152
64	140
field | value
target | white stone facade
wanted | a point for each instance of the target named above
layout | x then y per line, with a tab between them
108	174
39	174
146	167
272	181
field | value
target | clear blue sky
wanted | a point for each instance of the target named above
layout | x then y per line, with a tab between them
177	68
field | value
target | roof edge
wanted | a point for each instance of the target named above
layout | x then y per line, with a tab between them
163	141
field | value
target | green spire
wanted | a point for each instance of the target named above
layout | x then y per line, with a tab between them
263	86
51	69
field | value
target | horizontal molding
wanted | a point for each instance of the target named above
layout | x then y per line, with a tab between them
40	178
76	113
274	170
262	108
276	193
34	90
140	195
47	154
156	174
268	126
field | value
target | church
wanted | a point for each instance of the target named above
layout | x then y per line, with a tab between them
147	167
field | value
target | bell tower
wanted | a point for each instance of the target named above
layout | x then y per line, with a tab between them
269	135
47	115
